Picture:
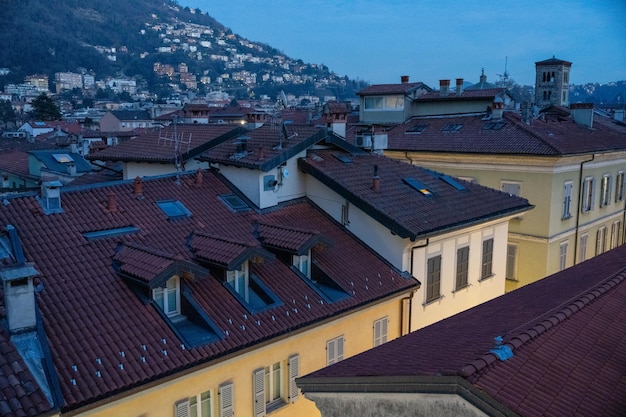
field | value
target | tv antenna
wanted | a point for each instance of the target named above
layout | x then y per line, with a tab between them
504	78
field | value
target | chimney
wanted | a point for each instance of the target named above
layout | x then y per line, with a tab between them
404	79
459	86
582	113
112	202
261	153
198	177
444	87
138	187
376	180
17	284
71	168
51	196
497	110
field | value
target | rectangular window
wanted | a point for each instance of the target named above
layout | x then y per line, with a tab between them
587	200
334	350
462	267
239	281
168	297
563	256
616	228
619	186
380	331
567	200
200	405
605	190
582	256
511	188
487	259
384	103
302	263
601	240
511	262
433	278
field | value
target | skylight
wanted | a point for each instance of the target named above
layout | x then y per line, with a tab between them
494	125
451	181
417	129
174	209
101	234
452	127
343	158
418	185
62	158
234	202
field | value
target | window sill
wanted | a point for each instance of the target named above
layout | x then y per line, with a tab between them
569	216
464	287
512	279
434	300
274	406
485	278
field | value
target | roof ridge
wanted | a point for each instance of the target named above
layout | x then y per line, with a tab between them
290	228
551	319
526	129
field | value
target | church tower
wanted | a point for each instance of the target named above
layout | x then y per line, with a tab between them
551	82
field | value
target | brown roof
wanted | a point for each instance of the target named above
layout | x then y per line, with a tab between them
450	204
566	333
106	338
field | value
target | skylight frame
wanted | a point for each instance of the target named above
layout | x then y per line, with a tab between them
418	185
173	209
234	202
107	233
452	127
417	129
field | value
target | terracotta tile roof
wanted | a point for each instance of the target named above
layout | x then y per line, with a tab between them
396	202
266	147
566	333
552	137
288	238
105	339
15	162
382	89
157	145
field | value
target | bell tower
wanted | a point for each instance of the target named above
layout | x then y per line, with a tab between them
551	82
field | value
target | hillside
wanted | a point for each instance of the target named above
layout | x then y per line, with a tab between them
121	38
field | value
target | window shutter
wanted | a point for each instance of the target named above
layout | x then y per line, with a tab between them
227	406
181	408
377	332
384	331
294	372
330	352
258	377
339	355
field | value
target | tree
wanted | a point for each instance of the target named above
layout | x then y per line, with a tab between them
44	108
7	114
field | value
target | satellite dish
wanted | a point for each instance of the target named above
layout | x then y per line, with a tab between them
285	173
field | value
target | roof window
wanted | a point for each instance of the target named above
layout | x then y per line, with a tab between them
234	202
416	129
174	209
118	231
494	125
418	185
452	127
62	158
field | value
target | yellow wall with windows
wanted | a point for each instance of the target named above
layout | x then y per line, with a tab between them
309	344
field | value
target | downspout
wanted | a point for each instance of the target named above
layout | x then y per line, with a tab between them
410	297
578	207
406	156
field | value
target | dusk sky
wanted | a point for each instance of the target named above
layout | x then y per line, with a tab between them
378	41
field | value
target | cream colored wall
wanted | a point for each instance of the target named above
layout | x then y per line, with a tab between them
427	108
309	344
133	169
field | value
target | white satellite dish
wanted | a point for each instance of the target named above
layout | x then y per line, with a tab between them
285	173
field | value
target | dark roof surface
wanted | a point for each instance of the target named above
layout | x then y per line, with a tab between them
567	333
105	339
131	114
157	145
401	88
553	136
396	202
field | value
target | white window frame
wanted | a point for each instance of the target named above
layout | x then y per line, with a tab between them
619	186
433	278
601	240
160	295
196	404
273	383
334	350
380	331
587	195
511	187
461	276
384	103
486	259
563	246
567	200
605	190
512	250
303	263
582	256
615	234
238	279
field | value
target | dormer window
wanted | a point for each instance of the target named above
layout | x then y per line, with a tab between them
238	279
303	263
168	297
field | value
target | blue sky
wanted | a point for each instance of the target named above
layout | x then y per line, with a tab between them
429	40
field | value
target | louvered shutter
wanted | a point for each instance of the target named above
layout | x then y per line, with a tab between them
339	355
330	352
227	405
181	408
258	380
294	372
383	336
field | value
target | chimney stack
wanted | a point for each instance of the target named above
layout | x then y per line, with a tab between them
497	110
404	79
112	202
444	87
582	113
138	187
376	180
199	177
459	86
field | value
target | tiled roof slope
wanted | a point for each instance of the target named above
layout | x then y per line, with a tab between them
567	333
553	136
396	202
265	147
157	145
105	339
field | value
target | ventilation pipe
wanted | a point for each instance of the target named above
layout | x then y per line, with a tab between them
444	87
376	180
459	86
404	79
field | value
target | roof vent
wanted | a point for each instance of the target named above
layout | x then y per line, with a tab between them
51	197
198	177
112	202
444	87
502	352
376	180
138	187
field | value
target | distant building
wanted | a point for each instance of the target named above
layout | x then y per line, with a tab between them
552	82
